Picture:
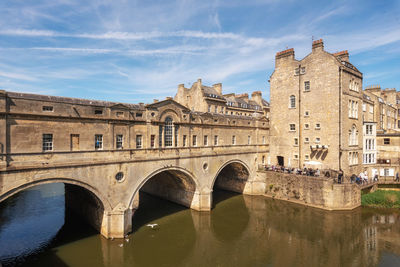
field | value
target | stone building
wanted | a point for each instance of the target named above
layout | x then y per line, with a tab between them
211	100
316	111
385	113
385	107
41	124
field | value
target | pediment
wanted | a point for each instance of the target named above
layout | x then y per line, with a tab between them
119	106
168	104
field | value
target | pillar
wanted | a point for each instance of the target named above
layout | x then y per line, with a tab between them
117	223
202	201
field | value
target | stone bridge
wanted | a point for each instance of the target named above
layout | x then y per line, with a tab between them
103	186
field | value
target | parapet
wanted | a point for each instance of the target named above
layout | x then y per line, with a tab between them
373	87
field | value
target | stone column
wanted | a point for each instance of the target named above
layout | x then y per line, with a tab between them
202	201
117	223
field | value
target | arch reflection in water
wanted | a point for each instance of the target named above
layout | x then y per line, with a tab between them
257	232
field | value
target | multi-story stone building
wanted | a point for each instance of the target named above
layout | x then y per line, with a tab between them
385	107
211	100
40	124
316	110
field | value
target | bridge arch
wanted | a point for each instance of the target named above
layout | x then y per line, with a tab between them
232	176
173	183
12	191
81	198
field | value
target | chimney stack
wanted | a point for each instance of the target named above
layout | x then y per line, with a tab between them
318	45
342	55
218	87
257	97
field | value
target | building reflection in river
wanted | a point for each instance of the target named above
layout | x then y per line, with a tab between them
240	231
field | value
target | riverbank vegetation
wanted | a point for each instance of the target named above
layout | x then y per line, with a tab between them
382	199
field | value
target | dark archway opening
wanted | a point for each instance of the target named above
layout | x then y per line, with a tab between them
163	194
38	219
233	178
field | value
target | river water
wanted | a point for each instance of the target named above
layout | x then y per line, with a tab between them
239	231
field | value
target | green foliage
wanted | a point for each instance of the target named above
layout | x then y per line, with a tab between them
381	198
271	186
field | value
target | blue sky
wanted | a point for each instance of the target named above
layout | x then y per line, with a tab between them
135	51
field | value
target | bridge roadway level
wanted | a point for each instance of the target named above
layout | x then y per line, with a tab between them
185	176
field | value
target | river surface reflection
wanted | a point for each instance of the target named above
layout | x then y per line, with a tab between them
240	231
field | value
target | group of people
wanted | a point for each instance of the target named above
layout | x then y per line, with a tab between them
304	171
362	178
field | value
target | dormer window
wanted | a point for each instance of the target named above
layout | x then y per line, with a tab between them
98	112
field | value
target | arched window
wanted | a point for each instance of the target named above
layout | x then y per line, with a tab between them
292	101
168	132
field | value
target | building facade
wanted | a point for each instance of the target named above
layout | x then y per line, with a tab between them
316	111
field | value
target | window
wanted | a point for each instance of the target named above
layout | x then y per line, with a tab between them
307	86
364	107
222	109
263	140
194	140
233	140
306	139
120	114
47	142
296	156
168	132
307	157
139	141
317	140
297	71
215	140
160	131
353	136
47	108
209	108
296	141
98	111
306	113
371	109
292	101
292	127
353	158
119	141
353	109
98	141
249	140
206	140
317	126
306	126
176	134
216	109
302	70
139	114
386	141
184	140
152	140
263	160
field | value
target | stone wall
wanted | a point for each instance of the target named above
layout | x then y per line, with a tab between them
311	191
